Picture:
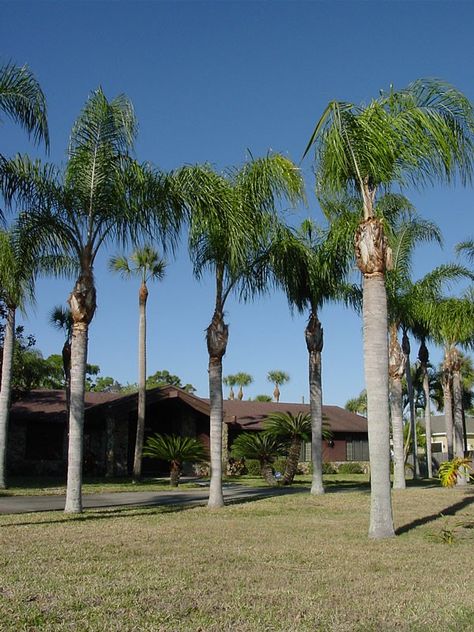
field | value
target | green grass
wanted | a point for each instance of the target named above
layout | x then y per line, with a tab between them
281	564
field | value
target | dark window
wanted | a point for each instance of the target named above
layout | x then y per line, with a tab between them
44	441
437	447
357	449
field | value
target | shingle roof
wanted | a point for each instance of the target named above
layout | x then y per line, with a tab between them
438	424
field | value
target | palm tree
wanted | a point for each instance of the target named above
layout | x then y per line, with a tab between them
357	404
278	378
311	265
230	215
417	135
22	99
242	379
262	447
148	266
102	196
175	450
61	319
229	380
19	268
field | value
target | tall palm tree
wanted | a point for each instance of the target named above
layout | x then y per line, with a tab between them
311	266
102	196
19	268
278	378
242	379
419	135
148	266
230	216
230	381
22	99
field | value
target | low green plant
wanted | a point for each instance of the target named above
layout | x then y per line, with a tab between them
350	468
279	464
305	468
175	450
328	468
252	467
450	471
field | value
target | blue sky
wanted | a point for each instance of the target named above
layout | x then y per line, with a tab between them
210	80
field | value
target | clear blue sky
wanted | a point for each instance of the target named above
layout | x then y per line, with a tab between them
209	80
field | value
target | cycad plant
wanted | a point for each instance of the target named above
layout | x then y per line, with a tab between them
418	135
103	195
175	450
262	447
148	266
278	378
231	215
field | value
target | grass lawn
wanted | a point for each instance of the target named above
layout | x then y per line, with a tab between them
287	563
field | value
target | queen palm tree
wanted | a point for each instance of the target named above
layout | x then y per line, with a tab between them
242	379
419	135
148	266
311	265
231	214
102	196
230	381
278	378
22	99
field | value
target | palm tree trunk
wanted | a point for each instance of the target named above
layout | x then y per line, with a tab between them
446	383
292	461
411	404
276	393
373	255
314	344
267	473
462	479
396	371
140	437
217	336
76	418
175	474
5	391
426	389
82	302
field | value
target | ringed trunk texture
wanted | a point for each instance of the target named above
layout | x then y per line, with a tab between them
175	474
462	479
266	472
423	356
376	379
373	257
140	437
82	302
411	403
217	336
314	344
396	371
292	461
276	393
5	392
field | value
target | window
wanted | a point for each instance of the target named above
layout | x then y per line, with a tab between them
437	446
357	449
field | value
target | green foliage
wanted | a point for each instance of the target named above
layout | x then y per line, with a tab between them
257	445
146	264
262	398
165	378
287	426
278	377
328	468
175	449
252	467
350	468
357	404
279	465
450	471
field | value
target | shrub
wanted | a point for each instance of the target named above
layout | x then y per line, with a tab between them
235	467
328	468
252	467
350	468
279	465
305	467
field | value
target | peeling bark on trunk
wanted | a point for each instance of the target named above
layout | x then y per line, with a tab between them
276	393
217	336
373	258
140	436
314	344
423	357
5	391
446	383
292	461
266	472
396	371
411	401
82	302
175	474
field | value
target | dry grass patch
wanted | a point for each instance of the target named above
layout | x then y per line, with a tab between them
286	563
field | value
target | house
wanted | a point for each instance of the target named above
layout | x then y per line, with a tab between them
438	434
37	441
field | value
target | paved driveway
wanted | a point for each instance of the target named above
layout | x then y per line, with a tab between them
191	497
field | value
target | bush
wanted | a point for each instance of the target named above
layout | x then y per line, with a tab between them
279	465
252	467
328	468
350	468
235	467
305	467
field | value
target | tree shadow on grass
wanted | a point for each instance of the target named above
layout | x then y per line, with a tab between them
447	511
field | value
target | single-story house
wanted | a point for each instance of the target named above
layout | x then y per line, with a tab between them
37	438
438	434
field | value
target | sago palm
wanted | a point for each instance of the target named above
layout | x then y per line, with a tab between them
230	214
262	447
278	378
148	266
102	196
175	450
419	135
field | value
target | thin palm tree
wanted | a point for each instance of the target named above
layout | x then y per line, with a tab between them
22	99
311	266
102	196
278	378
230	381
148	266
61	319
230	215
418	135
242	379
